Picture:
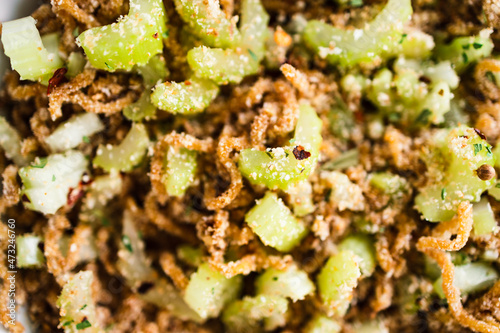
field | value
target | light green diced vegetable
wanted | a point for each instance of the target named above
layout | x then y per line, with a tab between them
337	280
77	307
153	72
372	326
346	160
362	246
379	39
207	21
342	122
278	167
495	190
76	130
388	183
180	170
292	283
415	44
379	91
141	109
28	55
127	154
135	267
189	97
275	224
463	51
484	218
76	63
470	278
222	66
131	41
452	160
10	141
437	102
344	194
407	85
254	31
192	256
209	291
301	198
442	71
28	253
47	181
322	324
245	314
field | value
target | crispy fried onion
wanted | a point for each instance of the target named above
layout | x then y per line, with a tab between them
224	149
11	189
435	248
71	92
157	162
261	123
71	7
290	113
170	267
298	80
460	225
165	223
488	88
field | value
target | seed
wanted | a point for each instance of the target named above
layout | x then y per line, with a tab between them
485	172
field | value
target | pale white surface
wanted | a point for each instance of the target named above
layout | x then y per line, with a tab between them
10	10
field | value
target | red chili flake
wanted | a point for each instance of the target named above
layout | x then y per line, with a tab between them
56	79
187	83
74	195
155	35
359	116
481	135
300	153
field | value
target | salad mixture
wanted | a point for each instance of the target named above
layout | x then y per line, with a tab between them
314	166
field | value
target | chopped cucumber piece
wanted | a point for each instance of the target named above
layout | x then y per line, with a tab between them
207	21
127	154
192	256
47	181
222	66
362	246
388	183
286	166
245	314
344	194
275	224
189	97
29	254
464	51
379	39
470	278
484	218
131	41
292	283
322	324
76	63
76	130
180	170
209	291
77	307
453	160
301	198
337	280
10	141
29	56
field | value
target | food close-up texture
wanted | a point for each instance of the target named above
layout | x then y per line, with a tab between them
313	166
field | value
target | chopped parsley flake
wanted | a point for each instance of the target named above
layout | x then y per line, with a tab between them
489	152
83	307
253	55
443	193
477	46
127	243
53	178
403	37
86	139
465	57
477	148
42	162
83	325
423	117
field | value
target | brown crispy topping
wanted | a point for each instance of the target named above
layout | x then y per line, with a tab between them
300	153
